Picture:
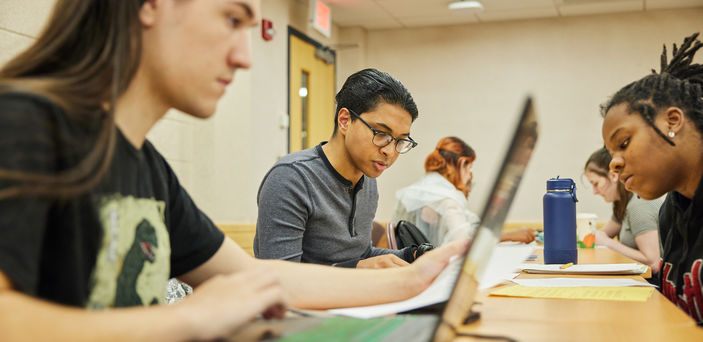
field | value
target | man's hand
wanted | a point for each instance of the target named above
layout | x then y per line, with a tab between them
382	261
524	234
430	264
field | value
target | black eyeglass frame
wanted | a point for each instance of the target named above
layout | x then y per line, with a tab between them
376	132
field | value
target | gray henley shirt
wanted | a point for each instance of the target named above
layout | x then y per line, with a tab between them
309	213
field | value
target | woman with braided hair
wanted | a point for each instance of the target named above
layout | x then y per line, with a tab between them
653	129
437	203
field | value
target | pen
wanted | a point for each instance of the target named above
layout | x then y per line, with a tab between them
566	265
300	312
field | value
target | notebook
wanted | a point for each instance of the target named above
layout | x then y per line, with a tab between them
442	324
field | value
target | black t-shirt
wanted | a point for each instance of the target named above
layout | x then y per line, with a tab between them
116	245
681	269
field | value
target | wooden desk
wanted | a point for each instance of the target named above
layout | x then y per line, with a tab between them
533	319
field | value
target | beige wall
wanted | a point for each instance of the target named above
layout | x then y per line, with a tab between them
468	81
20	22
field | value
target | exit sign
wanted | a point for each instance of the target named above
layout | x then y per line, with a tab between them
322	17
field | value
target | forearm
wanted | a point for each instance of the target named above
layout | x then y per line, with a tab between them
611	228
321	287
23	318
631	253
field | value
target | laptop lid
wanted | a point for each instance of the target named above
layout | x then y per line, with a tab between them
488	234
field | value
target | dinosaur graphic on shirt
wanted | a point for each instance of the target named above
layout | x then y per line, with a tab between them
139	253
133	263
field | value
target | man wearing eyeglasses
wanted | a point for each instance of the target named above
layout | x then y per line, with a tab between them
318	205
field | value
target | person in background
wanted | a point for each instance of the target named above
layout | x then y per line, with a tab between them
93	220
317	205
634	220
653	129
437	204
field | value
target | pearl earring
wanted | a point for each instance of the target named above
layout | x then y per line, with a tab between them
671	134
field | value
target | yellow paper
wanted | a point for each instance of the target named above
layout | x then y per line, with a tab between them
628	294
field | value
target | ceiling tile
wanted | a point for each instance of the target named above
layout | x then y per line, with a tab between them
662	4
599	7
415	8
532	13
357	9
490	5
374	14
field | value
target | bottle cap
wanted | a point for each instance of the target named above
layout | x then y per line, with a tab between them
560	184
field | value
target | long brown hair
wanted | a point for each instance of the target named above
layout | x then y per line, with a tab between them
83	60
599	163
446	158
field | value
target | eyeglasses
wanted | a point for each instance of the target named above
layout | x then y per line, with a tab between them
383	139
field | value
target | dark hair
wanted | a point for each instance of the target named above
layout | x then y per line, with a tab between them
599	163
678	84
363	90
83	60
447	156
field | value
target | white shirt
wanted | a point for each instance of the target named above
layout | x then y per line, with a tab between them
437	208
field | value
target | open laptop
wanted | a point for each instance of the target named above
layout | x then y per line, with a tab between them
454	312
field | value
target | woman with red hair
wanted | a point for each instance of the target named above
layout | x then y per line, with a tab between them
437	203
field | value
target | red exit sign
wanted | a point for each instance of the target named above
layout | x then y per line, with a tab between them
322	19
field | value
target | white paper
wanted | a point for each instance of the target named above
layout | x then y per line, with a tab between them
510	243
437	292
579	282
586	269
500	267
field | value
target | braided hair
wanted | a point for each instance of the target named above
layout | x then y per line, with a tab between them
679	83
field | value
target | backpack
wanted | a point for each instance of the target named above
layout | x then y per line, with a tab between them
404	234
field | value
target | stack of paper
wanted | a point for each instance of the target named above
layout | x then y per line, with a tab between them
628	294
580	282
585	269
620	289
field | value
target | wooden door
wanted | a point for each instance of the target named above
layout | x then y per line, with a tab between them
311	93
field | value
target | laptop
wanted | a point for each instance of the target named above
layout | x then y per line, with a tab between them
448	316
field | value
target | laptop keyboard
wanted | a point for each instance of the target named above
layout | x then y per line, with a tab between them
350	329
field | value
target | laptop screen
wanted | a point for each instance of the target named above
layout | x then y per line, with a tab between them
494	214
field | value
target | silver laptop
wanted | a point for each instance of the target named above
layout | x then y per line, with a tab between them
446	317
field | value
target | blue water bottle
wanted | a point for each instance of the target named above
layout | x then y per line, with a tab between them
560	222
